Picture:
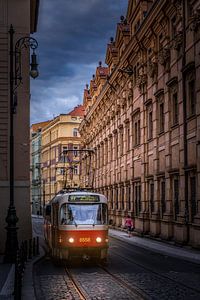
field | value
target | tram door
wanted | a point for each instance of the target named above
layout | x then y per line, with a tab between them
55	207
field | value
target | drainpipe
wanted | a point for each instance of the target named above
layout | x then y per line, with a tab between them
185	121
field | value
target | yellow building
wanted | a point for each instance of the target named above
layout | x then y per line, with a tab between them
143	120
59	155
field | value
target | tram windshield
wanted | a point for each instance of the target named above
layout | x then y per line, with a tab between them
77	214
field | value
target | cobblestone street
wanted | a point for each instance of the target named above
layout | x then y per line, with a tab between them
132	273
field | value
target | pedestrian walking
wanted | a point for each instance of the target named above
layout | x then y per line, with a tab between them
129	224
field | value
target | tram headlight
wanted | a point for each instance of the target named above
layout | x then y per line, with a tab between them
71	239
98	239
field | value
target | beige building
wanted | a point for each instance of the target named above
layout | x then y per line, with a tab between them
59	153
144	120
23	16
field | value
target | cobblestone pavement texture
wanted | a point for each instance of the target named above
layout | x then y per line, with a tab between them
158	276
100	285
96	285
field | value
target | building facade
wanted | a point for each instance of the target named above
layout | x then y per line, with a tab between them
23	17
35	169
59	153
143	120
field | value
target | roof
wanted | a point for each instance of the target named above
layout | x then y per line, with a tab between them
36	126
78	111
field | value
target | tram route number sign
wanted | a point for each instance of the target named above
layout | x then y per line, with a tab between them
83	198
84	240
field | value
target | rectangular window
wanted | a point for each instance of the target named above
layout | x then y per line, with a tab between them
128	197
137	198
128	137
173	27
116	197
116	145
122	197
64	150
75	151
121	142
106	152
191	94
111	148
162	194
161	117
75	169
136	131
150	124
102	154
98	157
151	196
111	198
62	171
193	197
135	75
138	138
176	197
175	108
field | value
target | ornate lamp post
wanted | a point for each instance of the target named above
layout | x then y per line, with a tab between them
15	81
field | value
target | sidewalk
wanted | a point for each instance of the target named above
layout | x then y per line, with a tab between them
158	246
7	272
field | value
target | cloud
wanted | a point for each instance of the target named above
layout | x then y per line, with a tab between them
73	37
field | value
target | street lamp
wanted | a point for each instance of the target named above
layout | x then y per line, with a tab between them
15	81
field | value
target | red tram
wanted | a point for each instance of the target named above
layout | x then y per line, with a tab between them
76	225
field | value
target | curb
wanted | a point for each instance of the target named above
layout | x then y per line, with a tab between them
28	290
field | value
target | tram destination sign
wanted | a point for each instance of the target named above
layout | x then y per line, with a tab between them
83	198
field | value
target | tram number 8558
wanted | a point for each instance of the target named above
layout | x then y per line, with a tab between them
84	240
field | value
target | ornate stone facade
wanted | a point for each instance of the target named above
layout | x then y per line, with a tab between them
143	121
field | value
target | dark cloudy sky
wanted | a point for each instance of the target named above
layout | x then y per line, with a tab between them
72	37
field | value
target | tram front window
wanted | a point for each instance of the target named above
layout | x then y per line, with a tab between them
95	214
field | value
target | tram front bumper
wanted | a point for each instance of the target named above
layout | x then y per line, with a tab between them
87	252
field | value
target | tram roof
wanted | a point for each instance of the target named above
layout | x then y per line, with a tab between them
63	195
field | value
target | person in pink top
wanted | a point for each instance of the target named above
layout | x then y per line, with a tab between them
129	225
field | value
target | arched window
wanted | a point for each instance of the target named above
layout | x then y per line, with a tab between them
75	131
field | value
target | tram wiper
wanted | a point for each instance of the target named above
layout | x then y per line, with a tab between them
75	223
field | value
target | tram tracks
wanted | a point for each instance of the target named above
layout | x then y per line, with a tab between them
74	286
137	293
77	288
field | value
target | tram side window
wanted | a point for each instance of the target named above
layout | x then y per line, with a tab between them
66	216
55	214
104	214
